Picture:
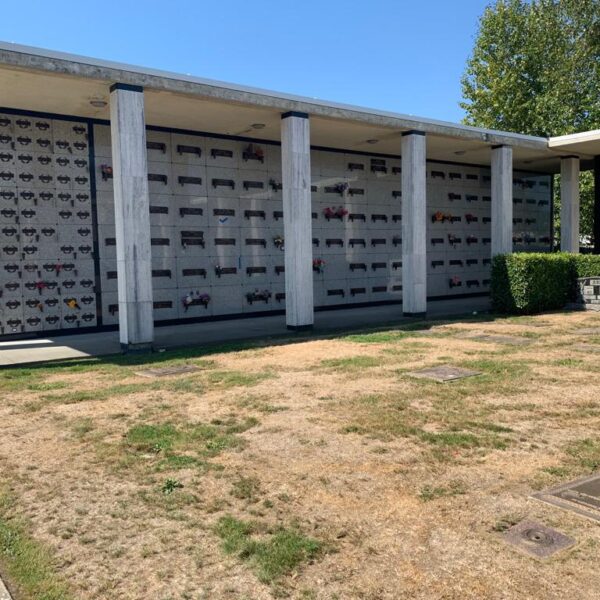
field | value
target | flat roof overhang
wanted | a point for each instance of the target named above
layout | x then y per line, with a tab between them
53	82
585	144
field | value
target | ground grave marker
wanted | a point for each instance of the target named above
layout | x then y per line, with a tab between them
443	373
166	371
581	496
536	539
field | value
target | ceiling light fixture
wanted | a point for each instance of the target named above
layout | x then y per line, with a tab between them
373	141
258	126
98	102
460	152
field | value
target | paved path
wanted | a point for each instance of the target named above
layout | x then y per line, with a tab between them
4	595
37	350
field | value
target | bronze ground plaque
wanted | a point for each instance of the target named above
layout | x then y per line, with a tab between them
536	539
166	371
588	331
586	348
444	373
581	496
509	340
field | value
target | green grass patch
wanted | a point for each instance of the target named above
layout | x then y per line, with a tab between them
377	337
585	453
466	440
272	555
352	363
246	488
100	394
185	446
229	379
454	488
28	565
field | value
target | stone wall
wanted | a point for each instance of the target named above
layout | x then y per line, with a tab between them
588	293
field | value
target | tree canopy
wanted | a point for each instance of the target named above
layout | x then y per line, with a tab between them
535	69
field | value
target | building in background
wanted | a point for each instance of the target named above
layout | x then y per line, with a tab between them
135	197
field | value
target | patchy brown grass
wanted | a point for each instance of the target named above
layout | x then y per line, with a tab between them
310	470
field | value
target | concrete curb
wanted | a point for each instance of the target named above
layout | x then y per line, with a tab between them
4	595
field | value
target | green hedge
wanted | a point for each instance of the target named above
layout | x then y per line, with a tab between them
527	283
586	265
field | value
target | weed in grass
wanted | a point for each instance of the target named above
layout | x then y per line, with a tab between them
272	556
246	488
454	488
170	485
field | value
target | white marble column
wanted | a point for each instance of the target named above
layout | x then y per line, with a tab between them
414	224
297	220
502	200
132	218
569	204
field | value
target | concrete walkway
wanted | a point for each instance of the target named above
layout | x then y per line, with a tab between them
22	352
4	595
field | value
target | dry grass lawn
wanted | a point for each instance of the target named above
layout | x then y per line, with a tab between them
310	470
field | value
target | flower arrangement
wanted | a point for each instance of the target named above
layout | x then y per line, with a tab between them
318	265
333	212
195	299
455	282
279	242
254	152
106	171
440	217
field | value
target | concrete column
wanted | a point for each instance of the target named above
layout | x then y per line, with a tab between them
414	224
502	200
569	204
597	204
132	217
297	220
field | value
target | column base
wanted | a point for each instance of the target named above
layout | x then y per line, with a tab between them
300	327
415	315
144	348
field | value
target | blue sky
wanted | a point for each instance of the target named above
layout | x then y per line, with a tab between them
401	55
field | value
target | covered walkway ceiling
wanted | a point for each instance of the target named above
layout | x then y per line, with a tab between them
52	82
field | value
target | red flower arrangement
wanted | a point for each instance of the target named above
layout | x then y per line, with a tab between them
318	265
332	212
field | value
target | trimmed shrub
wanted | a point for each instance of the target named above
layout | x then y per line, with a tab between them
527	283
586	265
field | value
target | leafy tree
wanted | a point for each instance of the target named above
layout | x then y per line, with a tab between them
535	69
